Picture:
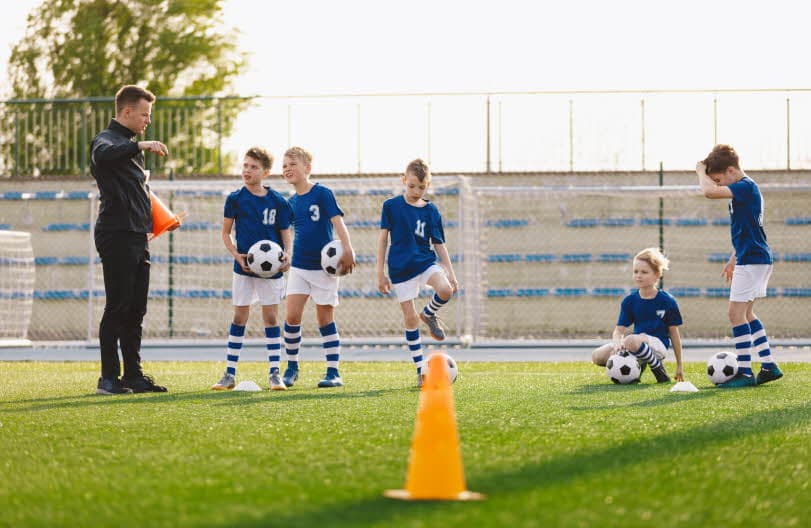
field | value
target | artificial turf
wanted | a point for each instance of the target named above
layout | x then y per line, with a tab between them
549	444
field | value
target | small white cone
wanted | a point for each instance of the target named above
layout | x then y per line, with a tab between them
684	386
248	386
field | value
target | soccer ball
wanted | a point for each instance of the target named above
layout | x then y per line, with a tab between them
330	255
453	370
722	367
265	258
623	368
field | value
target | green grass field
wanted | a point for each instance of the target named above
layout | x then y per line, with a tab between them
550	445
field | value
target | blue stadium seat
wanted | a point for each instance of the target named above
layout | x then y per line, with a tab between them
499	292
717	292
691	222
796	292
608	292
649	221
718	257
66	227
532	292
800	220
575	257
5	227
614	257
540	257
509	257
506	223
582	222
797	257
724	221
618	222
571	292
685	292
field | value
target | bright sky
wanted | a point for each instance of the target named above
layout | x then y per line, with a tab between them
365	46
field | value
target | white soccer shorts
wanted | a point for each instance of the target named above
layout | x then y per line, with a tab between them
246	290
410	289
749	282
656	345
318	284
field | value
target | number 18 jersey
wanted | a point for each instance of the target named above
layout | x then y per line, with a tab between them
412	230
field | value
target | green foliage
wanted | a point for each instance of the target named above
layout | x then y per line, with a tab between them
90	48
550	445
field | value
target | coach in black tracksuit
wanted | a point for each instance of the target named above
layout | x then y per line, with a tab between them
121	235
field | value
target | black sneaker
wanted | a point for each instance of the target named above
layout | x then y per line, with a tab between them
661	374
110	386
142	383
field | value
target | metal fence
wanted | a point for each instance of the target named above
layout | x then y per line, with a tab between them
455	132
534	262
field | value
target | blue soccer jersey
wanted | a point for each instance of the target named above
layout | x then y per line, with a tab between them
650	316
312	222
746	221
412	230
257	218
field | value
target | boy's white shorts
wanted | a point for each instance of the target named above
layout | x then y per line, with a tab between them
749	282
656	345
245	290
318	284
410	289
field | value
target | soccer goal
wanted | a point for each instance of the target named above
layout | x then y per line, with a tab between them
16	287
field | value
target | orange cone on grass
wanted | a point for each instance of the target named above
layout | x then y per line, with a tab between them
435	460
162	218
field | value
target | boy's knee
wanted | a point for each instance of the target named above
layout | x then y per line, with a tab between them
598	358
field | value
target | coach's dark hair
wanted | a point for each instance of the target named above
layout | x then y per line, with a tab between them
420	169
131	94
721	157
262	156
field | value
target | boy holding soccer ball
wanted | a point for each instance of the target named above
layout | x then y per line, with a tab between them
257	212
656	318
315	215
750	265
414	223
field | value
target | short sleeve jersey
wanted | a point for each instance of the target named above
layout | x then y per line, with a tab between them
650	316
412	230
746	223
312	223
257	218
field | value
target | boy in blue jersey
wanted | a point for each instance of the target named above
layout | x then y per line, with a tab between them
256	213
655	316
750	265
414	223
315	215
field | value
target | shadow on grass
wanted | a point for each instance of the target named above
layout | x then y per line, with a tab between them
379	511
663	399
223	397
599	388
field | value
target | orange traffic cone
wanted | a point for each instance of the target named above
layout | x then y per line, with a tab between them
435	461
162	218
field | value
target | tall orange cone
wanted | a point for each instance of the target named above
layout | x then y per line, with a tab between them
162	218
435	460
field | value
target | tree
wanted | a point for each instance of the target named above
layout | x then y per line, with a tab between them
89	48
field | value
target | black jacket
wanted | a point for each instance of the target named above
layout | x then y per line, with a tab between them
118	168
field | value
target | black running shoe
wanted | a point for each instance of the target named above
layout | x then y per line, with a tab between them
111	386
661	374
142	383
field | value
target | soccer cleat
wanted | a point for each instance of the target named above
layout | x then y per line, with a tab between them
661	374
740	380
434	326
767	375
330	380
111	386
275	381
227	382
142	383
290	376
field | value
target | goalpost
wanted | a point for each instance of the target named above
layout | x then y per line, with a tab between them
16	287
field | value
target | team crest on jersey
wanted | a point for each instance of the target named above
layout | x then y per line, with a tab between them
660	314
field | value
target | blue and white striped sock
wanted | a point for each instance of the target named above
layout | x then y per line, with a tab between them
742	337
273	342
761	344
292	342
646	354
433	307
235	336
415	347
331	342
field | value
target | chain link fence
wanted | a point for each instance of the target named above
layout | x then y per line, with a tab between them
534	262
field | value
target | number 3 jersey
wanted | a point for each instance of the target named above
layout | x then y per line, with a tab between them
412	229
257	218
313	212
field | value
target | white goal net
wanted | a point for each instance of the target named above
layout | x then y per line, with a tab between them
16	286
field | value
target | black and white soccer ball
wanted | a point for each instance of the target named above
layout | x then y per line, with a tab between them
453	370
330	255
722	367
265	258
623	368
